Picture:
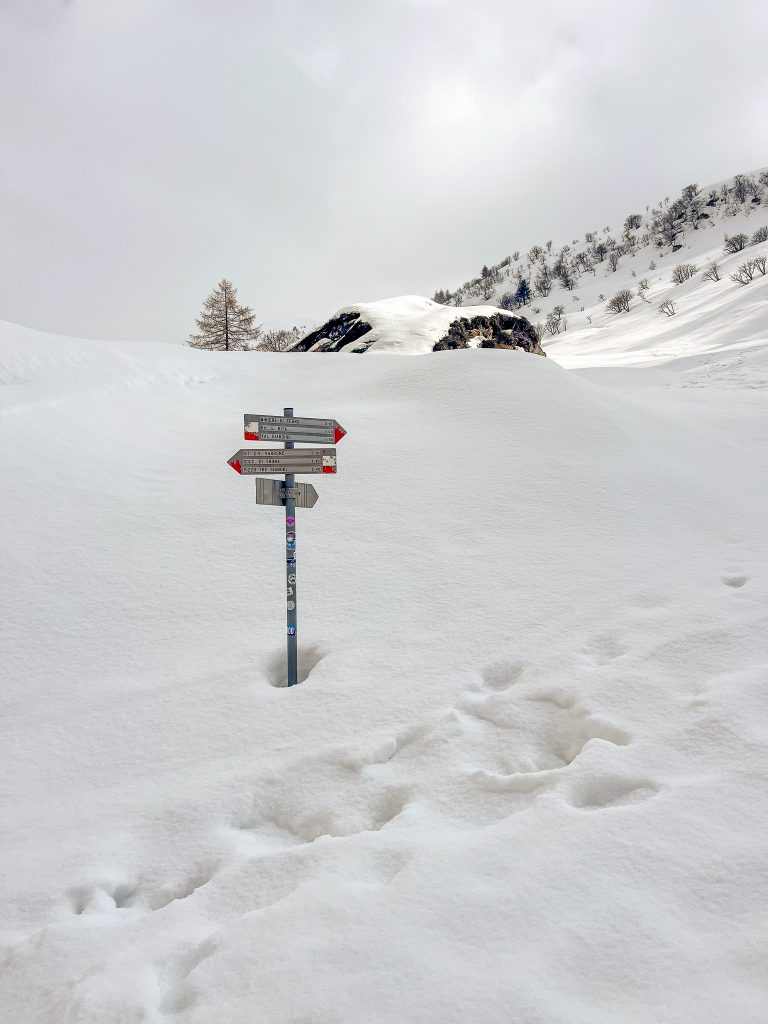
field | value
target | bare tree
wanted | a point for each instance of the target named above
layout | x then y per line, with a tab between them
489	278
683	272
735	243
543	281
632	222
555	320
667	307
741	187
761	235
620	301
712	271
744	273
642	287
613	258
223	324
759	262
279	340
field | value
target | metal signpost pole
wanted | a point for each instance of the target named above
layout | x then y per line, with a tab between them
265	462
290	568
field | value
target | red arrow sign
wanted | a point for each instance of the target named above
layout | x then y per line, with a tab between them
265	461
259	427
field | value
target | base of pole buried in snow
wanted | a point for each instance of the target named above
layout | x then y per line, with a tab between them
308	658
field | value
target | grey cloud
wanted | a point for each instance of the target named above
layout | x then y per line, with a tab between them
320	153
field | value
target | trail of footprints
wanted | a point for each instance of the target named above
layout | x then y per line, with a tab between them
478	762
504	745
492	754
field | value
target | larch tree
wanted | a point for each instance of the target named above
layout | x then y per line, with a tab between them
224	325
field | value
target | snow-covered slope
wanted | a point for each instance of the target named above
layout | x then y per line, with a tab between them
525	778
406	324
708	314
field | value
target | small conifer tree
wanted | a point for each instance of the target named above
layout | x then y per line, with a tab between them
223	325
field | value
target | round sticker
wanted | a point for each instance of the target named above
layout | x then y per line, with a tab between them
291	605
290	540
290	521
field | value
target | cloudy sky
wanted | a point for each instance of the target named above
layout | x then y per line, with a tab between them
322	152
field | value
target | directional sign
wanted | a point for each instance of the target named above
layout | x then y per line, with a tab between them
288	461
263	461
259	427
273	492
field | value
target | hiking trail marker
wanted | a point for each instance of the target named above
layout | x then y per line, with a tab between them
289	461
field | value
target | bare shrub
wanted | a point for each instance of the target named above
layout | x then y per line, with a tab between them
735	243
761	235
759	262
555	321
619	303
278	340
613	258
667	307
683	272
744	272
712	271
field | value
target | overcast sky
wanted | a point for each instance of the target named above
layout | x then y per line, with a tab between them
323	152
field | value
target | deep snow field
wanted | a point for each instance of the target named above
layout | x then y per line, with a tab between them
526	778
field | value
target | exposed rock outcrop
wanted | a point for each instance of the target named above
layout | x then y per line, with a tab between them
335	333
497	331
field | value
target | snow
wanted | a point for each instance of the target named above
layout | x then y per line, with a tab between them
407	324
710	316
524	778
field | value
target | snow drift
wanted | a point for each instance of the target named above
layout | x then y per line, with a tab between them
525	776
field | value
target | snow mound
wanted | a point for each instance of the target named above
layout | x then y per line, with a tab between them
406	325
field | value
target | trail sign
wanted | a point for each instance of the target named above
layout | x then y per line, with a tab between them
288	461
262	461
258	427
272	492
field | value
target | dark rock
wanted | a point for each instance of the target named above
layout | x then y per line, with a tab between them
341	330
676	248
497	331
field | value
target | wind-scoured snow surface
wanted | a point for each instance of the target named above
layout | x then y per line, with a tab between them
526	777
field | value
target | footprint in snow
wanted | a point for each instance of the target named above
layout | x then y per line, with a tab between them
735	582
590	794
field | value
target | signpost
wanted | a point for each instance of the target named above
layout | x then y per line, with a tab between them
258	427
255	461
272	492
289	461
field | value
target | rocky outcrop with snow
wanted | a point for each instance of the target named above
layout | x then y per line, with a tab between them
413	325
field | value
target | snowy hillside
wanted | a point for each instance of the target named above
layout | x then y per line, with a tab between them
525	778
571	285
